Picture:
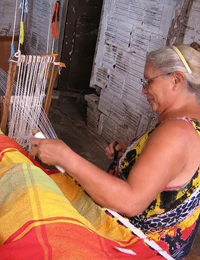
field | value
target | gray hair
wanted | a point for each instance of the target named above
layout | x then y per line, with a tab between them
167	60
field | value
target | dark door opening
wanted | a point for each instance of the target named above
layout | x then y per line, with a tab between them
81	30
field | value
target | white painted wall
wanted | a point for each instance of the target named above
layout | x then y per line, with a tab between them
7	13
38	27
38	37
129	29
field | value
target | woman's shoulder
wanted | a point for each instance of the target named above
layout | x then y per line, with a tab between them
184	123
176	132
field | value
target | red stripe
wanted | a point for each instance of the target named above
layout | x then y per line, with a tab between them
42	221
71	242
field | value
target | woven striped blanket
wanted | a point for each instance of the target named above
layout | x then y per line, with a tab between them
51	217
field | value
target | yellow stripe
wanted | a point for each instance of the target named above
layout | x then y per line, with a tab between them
11	157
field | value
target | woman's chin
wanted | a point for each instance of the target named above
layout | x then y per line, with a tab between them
154	107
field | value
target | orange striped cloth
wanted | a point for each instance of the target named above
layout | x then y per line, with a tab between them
51	217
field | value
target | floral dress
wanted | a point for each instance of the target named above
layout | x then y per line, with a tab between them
172	219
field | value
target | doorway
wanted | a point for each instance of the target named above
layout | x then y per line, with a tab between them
79	42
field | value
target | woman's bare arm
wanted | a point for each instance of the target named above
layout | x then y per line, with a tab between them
162	160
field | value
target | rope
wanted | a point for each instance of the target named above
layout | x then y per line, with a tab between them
21	34
12	48
49	27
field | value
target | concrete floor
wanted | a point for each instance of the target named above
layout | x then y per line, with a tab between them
68	119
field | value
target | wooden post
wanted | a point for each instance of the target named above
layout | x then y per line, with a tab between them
178	25
9	87
48	98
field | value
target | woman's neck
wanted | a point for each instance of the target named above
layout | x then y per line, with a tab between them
189	108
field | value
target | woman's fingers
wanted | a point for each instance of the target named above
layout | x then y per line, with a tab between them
114	146
110	149
35	146
34	151
48	150
36	142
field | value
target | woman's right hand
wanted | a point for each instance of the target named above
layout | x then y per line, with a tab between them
111	148
51	151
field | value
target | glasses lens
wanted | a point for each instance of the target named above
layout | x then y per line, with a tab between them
143	83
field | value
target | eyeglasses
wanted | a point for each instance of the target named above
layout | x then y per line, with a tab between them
146	82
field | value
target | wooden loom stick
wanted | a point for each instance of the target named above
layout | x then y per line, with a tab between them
50	89
9	87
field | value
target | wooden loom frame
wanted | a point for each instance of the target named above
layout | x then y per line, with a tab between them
9	87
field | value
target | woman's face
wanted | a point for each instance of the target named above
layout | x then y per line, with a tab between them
157	89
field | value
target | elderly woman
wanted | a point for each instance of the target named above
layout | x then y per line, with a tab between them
158	184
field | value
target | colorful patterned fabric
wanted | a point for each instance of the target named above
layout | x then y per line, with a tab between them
51	217
173	217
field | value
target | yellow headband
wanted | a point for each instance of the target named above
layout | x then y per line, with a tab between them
182	59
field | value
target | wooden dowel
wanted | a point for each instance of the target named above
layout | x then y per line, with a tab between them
48	98
9	87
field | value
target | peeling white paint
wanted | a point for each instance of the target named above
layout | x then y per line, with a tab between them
128	30
38	26
7	14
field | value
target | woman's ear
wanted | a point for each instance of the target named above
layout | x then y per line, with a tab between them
178	80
